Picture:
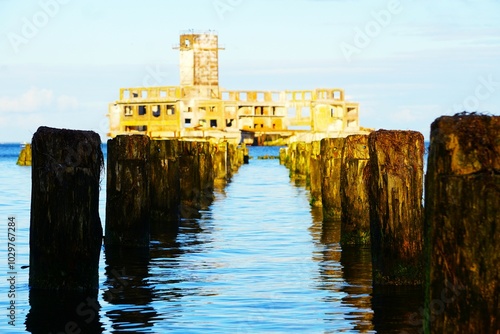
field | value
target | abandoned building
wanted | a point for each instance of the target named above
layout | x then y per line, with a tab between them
200	108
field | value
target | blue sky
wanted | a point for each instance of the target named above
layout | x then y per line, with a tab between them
405	62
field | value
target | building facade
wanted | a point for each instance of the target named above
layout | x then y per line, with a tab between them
200	108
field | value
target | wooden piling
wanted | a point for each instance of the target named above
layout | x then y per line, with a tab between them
207	175
221	153
292	159
315	174
302	156
355	215
395	195
164	187
196	177
128	202
283	155
462	231
24	158
238	156
65	228
331	163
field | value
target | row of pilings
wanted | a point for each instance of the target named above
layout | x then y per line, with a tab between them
374	184
151	184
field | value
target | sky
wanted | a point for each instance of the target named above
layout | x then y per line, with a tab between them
406	62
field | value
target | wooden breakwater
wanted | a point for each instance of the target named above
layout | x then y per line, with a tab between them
163	181
149	184
363	181
453	248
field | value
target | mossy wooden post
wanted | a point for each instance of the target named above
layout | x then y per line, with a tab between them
127	200
246	158
301	166
207	173
65	228
24	158
237	156
462	231
355	215
331	163
196	177
283	155
164	184
189	178
221	157
395	195
315	174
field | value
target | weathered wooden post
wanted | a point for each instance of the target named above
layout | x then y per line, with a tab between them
238	155
127	201
206	171
462	225
164	187
315	174
24	158
65	228
292	158
196	177
395	195
355	215
221	157
302	154
246	157
283	155
331	163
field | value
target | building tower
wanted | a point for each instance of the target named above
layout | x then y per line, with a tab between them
199	62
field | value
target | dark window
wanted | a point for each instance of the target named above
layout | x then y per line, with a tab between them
156	111
142	110
213	123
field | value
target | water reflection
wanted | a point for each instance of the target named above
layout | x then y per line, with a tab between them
127	285
397	309
357	270
63	312
346	273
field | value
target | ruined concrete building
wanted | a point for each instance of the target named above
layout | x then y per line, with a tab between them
200	108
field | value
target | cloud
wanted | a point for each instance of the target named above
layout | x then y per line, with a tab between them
31	100
36	99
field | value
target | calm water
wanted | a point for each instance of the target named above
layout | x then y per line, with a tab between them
259	260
